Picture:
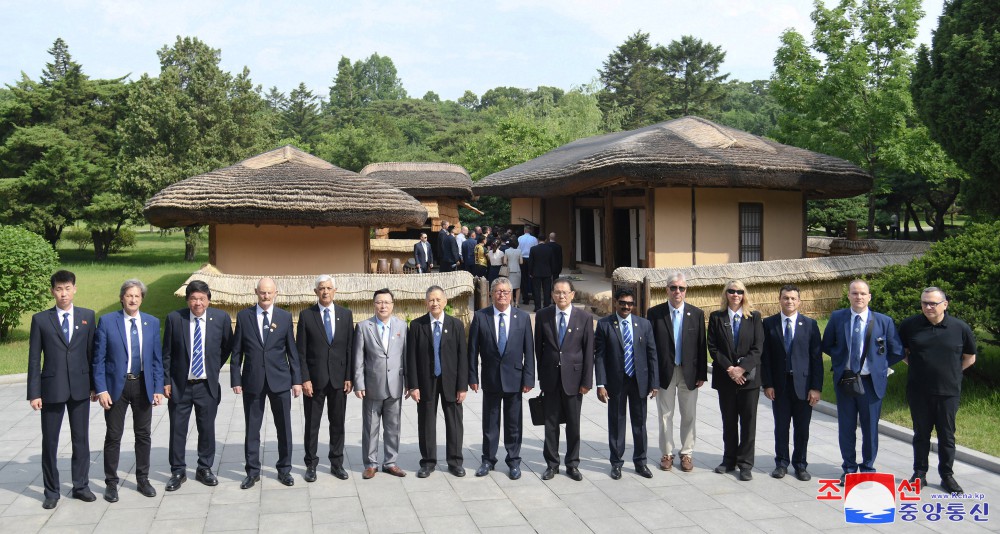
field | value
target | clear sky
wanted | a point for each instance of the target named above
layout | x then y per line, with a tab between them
444	46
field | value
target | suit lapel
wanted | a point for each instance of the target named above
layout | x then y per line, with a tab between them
54	316
186	328
493	329
119	319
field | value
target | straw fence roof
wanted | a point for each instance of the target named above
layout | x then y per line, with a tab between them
821	245
685	152
392	245
285	186
769	272
234	289
424	179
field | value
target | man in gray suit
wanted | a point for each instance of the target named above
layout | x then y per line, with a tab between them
379	379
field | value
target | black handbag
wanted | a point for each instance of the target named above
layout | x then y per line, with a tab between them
850	381
537	409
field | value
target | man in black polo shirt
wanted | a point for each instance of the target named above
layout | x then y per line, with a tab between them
938	348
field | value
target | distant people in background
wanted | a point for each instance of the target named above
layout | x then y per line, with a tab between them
450	257
442	233
894	226
469	252
542	265
461	236
525	242
488	232
496	257
423	256
479	230
513	257
482	264
557	255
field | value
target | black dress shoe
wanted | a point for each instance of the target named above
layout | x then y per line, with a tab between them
843	476
249	481
574	473
723	468
425	471
111	493
921	476
175	482
803	475
310	475
515	473
949	484
456	470
286	479
616	472
339	472
50	502
484	469
549	473
643	471
779	472
145	488
84	495
746	475
206	477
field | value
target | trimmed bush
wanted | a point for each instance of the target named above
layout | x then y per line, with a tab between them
26	263
124	240
78	236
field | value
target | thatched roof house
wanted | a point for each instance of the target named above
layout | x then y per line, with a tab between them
285	212
681	192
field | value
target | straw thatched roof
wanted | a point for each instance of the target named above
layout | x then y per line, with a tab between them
685	152
285	186
821	245
423	179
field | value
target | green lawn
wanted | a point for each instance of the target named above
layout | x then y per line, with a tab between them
156	260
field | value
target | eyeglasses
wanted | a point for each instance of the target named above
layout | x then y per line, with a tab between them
561	293
501	292
678	288
626	303
734	291
928	304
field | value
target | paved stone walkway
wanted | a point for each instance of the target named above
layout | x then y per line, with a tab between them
700	501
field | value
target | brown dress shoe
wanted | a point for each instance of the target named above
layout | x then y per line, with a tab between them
394	471
666	462
369	473
687	463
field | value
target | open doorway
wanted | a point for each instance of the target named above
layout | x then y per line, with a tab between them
629	237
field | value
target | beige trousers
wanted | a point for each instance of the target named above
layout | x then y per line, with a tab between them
667	399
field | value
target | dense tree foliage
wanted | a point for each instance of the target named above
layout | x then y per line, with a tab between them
25	266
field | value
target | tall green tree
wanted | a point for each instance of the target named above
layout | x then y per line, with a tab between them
692	68
633	81
300	116
955	89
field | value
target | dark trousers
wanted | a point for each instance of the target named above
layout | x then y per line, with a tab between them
851	411
558	405
79	422
335	401
133	395
933	412
427	427
789	409
739	425
616	423
446	267
526	281
511	403
253	413
542	291
199	397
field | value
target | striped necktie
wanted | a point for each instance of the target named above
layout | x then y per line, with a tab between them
627	337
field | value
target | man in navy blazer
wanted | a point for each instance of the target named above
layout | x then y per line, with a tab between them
792	375
60	383
265	366
626	371
423	254
196	344
501	336
847	327
128	371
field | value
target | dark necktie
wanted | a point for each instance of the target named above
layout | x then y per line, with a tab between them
134	366
856	345
627	337
65	326
265	327
788	344
562	327
736	330
328	325
437	348
197	353
502	335
677	337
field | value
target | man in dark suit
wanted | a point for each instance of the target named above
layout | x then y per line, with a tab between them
196	343
626	372
564	351
442	233
423	256
325	343
847	340
265	367
128	371
450	256
792	376
542	260
679	331
468	249
557	255
438	371
61	383
501	337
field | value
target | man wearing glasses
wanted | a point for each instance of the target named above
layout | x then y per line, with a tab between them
939	347
626	372
679	331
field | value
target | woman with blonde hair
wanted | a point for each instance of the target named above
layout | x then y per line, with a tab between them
735	342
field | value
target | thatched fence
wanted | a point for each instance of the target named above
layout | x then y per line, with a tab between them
354	291
821	281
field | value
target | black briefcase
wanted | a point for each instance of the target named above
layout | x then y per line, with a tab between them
537	410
